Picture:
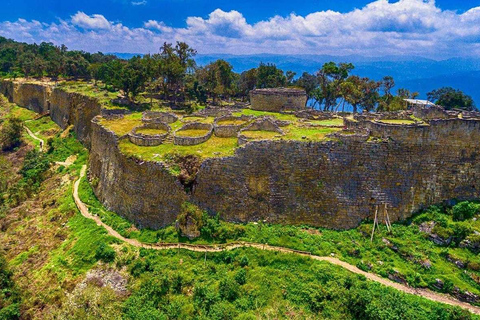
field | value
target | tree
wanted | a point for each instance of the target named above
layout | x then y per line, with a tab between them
330	79
450	98
269	76
290	75
11	134
247	82
309	83
218	78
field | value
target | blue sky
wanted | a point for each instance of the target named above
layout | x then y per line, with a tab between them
434	29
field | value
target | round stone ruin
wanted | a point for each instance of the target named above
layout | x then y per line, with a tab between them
224	129
181	140
261	124
157	117
148	140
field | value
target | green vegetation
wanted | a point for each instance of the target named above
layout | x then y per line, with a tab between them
397	121
191	133
261	135
55	247
450	98
151	132
9	296
11	134
417	258
172	78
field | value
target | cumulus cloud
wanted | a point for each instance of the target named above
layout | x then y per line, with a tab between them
139	3
405	27
95	21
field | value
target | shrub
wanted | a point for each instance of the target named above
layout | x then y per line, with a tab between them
35	165
244	261
105	253
228	289
464	210
241	277
11	134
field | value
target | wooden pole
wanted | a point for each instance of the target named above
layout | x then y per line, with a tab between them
374	222
385	215
388	218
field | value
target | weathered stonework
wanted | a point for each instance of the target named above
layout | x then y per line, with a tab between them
141	139
229	130
155	116
333	184
191	141
278	99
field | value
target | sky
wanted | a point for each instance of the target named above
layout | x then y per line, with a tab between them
433	29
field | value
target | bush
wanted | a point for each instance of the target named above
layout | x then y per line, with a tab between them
228	289
241	277
244	261
464	210
35	164
105	253
11	134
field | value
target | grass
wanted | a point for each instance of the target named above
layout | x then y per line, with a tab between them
279	116
192	133
231	122
261	135
151	132
214	147
55	247
123	126
336	122
398	121
307	133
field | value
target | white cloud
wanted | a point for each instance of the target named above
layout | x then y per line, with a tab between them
139	3
95	21
405	27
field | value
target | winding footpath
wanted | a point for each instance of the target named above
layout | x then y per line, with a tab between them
428	294
31	134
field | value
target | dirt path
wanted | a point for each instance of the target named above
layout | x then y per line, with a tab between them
437	297
31	134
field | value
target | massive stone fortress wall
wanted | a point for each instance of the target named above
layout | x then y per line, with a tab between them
333	184
65	108
278	99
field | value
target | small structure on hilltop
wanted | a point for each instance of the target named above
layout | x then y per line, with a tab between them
278	99
418	103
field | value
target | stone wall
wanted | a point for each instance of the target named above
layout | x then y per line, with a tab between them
191	141
141	139
333	184
141	191
65	108
278	99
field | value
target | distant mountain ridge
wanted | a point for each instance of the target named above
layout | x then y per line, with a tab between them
411	72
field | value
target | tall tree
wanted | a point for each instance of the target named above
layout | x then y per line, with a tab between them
450	98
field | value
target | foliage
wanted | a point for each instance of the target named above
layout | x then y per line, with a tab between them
9	297
465	210
11	134
105	253
450	98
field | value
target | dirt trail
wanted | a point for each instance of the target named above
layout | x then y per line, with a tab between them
31	134
437	297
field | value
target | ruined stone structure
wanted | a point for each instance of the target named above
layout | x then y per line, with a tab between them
191	141
141	139
278	99
223	130
334	184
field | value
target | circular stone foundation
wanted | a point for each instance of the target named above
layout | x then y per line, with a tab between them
229	126
145	135
187	135
158	117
